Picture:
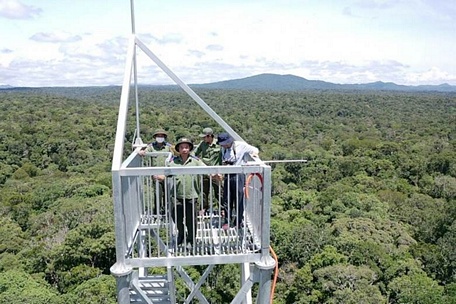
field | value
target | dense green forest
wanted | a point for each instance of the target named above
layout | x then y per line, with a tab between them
371	218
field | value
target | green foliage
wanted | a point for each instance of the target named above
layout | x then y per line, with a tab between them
19	287
224	284
447	247
97	290
300	290
433	259
76	276
297	238
10	261
368	219
90	244
424	214
328	278
329	256
11	236
450	293
341	283
416	288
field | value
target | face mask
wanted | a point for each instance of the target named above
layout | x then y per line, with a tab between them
160	139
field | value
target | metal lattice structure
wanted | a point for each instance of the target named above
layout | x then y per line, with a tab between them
149	263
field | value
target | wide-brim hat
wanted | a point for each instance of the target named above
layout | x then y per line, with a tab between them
206	131
182	141
224	139
159	131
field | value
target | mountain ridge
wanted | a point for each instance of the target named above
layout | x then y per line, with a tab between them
288	82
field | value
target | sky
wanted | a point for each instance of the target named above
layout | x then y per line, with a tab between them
84	42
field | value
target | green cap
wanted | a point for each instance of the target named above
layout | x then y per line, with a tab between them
184	140
206	131
159	131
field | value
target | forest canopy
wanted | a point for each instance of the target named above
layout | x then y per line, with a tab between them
371	218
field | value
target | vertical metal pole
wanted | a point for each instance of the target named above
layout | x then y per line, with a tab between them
123	278
264	290
119	270
267	263
119	219
135	75
132	12
245	274
172	286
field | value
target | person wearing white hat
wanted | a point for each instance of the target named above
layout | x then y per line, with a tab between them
234	153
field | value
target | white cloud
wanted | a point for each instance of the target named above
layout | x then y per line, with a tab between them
169	38
432	76
214	47
14	9
196	53
55	37
347	41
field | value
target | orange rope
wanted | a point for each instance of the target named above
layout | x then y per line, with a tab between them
276	273
247	182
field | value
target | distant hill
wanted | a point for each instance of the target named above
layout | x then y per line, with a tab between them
269	82
275	82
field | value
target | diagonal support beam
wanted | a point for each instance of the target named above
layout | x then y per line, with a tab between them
245	289
188	90
189	282
200	283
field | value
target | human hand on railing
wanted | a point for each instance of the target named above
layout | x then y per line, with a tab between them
142	152
217	177
158	177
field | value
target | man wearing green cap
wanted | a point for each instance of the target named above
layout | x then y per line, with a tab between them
210	153
208	150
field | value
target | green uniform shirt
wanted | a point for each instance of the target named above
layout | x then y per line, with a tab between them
210	154
186	186
159	161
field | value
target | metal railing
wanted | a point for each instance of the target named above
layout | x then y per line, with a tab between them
149	207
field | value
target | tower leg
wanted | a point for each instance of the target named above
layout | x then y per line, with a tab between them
245	274
265	267
123	278
264	292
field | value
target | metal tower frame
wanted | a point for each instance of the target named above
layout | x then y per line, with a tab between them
141	237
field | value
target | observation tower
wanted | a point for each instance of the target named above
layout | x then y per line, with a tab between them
150	266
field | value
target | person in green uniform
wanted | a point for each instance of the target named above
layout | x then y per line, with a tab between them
210	153
185	192
160	144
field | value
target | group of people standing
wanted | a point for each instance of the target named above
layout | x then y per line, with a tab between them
211	151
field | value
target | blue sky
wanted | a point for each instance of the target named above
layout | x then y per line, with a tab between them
83	42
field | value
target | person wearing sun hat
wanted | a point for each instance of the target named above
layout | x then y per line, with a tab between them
234	153
184	191
158	145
